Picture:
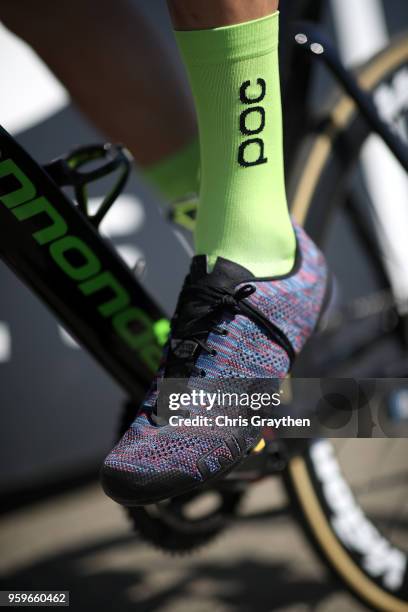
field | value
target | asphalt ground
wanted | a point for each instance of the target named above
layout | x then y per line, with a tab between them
81	542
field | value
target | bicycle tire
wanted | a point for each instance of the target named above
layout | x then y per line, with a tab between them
321	165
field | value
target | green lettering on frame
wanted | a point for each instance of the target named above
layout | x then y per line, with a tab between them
39	206
25	192
89	264
106	280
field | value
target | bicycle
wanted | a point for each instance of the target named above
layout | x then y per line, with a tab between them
54	246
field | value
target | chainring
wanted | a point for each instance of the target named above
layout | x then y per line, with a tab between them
172	527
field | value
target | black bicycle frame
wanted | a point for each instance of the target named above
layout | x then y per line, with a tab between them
56	250
315	43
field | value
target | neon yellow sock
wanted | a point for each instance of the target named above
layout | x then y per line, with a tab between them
242	212
176	176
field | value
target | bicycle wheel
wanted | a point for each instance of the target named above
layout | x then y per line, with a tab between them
354	508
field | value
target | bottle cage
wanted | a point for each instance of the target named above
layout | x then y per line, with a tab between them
68	170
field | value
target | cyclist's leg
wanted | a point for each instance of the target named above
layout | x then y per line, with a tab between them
114	66
229	322
206	15
231	52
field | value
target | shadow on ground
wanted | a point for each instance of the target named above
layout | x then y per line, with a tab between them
96	584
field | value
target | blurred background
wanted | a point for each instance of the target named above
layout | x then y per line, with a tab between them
57	529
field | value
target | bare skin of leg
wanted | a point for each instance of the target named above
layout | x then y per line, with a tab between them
204	14
114	66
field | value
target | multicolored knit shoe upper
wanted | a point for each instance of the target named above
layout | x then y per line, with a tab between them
228	325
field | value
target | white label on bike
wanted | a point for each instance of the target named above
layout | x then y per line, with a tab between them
353	528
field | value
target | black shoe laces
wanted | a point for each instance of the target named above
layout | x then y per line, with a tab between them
208	303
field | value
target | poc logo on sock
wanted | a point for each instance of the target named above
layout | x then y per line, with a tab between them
251	150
